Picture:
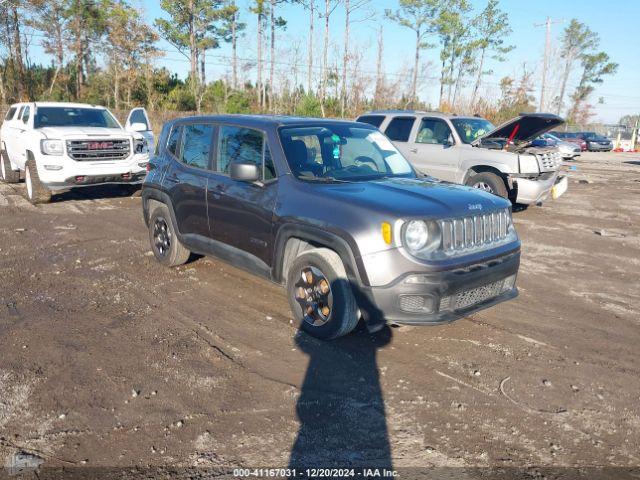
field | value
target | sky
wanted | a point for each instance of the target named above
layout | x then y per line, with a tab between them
616	21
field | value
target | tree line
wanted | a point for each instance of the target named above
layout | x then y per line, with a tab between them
107	52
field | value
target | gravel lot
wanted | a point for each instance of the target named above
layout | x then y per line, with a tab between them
108	359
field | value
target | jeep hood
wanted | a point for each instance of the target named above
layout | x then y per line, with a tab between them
405	197
83	132
523	128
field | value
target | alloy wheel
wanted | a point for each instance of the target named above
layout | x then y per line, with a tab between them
161	236
313	293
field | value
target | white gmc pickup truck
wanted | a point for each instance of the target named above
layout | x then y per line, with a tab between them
66	145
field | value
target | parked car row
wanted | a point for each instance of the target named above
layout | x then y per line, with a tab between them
590	141
567	150
349	221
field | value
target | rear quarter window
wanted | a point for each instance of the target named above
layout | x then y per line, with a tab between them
399	128
173	141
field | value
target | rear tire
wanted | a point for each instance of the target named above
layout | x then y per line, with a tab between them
320	295
6	173
36	191
488	182
165	245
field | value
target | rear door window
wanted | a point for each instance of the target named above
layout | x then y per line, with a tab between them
197	139
399	128
375	120
26	114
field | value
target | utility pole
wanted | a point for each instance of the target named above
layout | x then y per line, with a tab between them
545	62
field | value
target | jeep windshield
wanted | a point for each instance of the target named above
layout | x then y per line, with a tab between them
470	129
342	153
73	117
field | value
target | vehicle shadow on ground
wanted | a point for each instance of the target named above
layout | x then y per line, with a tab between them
633	162
341	406
96	193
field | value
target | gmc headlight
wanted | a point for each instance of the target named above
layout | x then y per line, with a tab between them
421	237
51	147
528	164
140	145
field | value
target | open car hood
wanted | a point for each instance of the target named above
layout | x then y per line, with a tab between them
523	128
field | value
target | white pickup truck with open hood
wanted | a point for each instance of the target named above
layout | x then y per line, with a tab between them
66	145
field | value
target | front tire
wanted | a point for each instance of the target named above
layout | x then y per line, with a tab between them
488	182
165	245
7	174
320	295
36	191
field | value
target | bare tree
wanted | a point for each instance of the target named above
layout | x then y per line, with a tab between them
350	6
420	16
274	23
379	73
329	7
492	26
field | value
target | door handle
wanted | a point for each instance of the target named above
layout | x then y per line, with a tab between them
172	178
413	150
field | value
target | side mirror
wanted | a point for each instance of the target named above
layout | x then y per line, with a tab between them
245	172
448	142
139	127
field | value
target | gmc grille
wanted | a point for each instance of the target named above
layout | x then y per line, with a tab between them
549	161
98	150
474	231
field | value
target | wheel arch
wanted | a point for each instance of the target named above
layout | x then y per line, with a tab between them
293	239
152	197
480	168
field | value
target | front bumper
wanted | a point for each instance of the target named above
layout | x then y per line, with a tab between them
63	172
535	190
443	291
93	180
597	147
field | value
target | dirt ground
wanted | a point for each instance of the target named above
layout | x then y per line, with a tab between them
108	359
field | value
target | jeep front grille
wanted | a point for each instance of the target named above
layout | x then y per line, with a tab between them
549	161
474	231
98	150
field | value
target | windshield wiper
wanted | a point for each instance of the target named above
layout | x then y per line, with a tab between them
313	178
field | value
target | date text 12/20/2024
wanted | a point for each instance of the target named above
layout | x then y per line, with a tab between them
315	472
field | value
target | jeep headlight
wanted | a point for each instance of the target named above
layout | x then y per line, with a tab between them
528	164
140	145
51	147
420	236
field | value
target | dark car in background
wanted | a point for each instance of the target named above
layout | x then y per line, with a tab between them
596	142
332	211
571	137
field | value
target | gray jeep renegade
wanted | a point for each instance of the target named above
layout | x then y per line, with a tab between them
332	211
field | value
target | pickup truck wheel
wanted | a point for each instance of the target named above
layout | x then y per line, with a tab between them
165	245
488	182
320	295
8	175
36	191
